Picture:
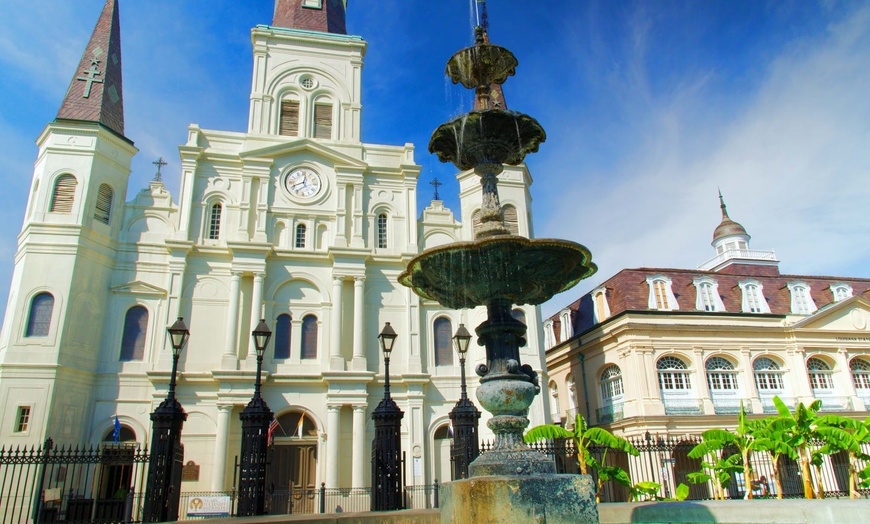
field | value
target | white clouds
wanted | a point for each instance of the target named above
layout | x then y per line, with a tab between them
792	159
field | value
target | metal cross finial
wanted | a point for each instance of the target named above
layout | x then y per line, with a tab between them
159	163
435	183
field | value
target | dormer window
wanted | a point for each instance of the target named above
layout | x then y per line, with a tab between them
801	300
753	298
661	296
707	295
567	330
841	291
602	309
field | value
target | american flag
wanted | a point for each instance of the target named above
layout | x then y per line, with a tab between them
272	427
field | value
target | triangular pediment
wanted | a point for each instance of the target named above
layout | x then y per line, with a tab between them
848	315
307	146
138	287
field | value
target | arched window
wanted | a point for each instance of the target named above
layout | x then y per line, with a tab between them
721	375
510	219
125	434
103	208
673	374
282	336
768	375
39	320
661	295
323	120
64	195
572	396
554	401
801	300
309	337
289	124
602	309
860	369
611	383
753	297
135	329
520	315
300	236
382	231
443	338
841	291
214	222
820	374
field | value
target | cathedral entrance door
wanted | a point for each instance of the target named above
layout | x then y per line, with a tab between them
292	473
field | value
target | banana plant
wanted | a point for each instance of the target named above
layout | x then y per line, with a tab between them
718	469
583	437
801	427
772	437
846	434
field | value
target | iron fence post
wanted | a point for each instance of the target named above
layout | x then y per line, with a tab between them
323	497
436	493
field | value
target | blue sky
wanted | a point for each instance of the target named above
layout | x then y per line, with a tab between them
649	107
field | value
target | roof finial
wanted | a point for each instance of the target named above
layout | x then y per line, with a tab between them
436	183
722	205
159	163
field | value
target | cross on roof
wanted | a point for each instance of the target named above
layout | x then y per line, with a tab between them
159	163
435	183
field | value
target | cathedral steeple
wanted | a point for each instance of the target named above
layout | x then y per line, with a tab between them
326	16
95	92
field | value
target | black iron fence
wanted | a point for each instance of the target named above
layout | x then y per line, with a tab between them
665	460
97	484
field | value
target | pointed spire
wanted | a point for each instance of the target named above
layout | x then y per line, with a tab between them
722	205
326	16
95	93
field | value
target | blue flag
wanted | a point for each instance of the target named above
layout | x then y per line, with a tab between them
116	435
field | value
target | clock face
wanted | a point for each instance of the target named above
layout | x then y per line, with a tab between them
303	182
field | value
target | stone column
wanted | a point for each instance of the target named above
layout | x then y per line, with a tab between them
359	326
221	441
750	391
336	362
333	438
800	382
359	446
701	383
256	312
230	360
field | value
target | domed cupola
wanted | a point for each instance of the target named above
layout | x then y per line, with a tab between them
729	231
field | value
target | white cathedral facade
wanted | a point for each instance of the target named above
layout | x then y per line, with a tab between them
294	220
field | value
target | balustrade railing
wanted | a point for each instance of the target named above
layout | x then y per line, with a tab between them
683	406
748	254
608	414
731	406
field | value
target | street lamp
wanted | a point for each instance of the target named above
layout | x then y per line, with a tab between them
255	418
464	416
163	488
387	446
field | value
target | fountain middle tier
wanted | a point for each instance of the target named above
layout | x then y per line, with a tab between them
504	267
489	136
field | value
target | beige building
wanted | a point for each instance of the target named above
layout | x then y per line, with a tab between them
675	351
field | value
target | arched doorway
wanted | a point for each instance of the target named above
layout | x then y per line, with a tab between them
443	471
116	468
291	478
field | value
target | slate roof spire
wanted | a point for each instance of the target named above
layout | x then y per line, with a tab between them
326	16
95	92
727	227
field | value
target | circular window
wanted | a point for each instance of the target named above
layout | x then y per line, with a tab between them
307	82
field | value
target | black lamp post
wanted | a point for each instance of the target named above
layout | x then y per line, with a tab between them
387	446
163	489
464	416
256	418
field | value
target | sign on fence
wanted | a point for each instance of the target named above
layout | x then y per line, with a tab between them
209	506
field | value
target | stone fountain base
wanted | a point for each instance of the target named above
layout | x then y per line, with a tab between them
519	499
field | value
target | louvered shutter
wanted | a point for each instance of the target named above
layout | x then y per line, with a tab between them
64	194
289	118
323	121
510	219
103	209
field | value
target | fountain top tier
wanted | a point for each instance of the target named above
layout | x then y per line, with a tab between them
481	65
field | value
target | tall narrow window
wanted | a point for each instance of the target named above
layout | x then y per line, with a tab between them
753	298
309	337
103	209
282	336
135	328
214	223
707	300
841	291
443	338
611	383
801	300
289	125
323	121
518	314
39	320
510	219
22	419
768	376
673	374
382	231
721	375
602	309
661	296
64	194
300	236
860	369
820	374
